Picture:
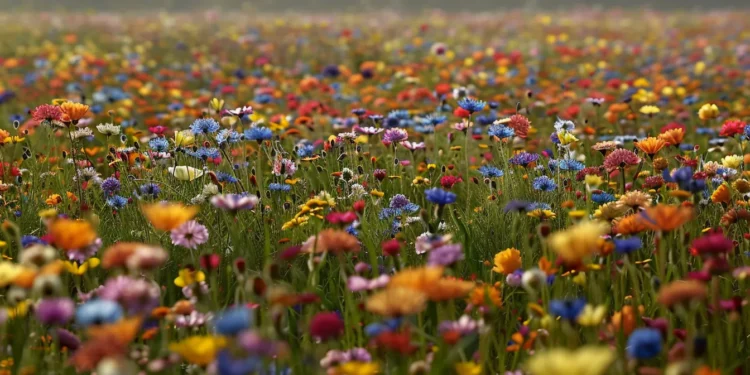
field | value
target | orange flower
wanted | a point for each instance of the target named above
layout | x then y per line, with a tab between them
168	216
651	145
673	137
72	112
681	291
483	295
72	234
396	302
331	240
629	225
665	217
430	281
721	194
507	261
625	320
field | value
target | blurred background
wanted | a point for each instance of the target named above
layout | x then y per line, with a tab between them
360	5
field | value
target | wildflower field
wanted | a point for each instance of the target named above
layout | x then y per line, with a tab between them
353	194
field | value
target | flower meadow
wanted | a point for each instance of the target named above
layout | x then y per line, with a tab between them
354	194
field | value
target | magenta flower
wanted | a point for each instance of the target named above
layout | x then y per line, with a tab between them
55	311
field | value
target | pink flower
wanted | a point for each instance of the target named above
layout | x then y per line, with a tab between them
621	158
47	112
189	235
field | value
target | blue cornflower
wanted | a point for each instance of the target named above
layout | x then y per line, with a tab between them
100	311
439	196
258	133
570	165
516	206
568	309
226	177
227	364
204	126
400	201
539	206
544	183
501	131
279	187
159	144
400	114
705	131
644	343
233	320
627	245
204	153
28	240
110	186
424	129
305	149
561	125
602	197
375	118
435	119
490	171
117	202
228	136
471	105
554	138
684	179
524	159
150	189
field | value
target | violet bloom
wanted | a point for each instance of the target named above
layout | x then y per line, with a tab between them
256	344
394	135
136	295
189	235
68	340
55	311
81	255
195	319
445	255
235	202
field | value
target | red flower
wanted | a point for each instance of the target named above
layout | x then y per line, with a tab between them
341	218
359	206
47	112
396	341
520	124
326	325
713	243
673	125
447	182
391	247
731	128
462	113
210	261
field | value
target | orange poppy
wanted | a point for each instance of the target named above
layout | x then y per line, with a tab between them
650	146
168	216
664	217
673	137
72	112
72	234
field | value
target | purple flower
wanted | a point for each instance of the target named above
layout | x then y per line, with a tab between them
136	295
67	339
55	311
189	235
445	255
395	135
81	255
195	319
464	325
524	159
235	202
110	186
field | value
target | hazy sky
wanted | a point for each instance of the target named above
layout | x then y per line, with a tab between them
354	5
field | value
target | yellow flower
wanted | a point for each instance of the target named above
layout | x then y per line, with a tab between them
732	161
593	181
592	315
377	193
419	180
577	214
431	166
19	310
48	213
8	273
199	350
566	137
168	216
295	222
357	368
189	277
468	368
578	241
649	110
708	111
13	139
216	104
542	214
185	173
184	138
580	279
75	269
507	261
587	360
